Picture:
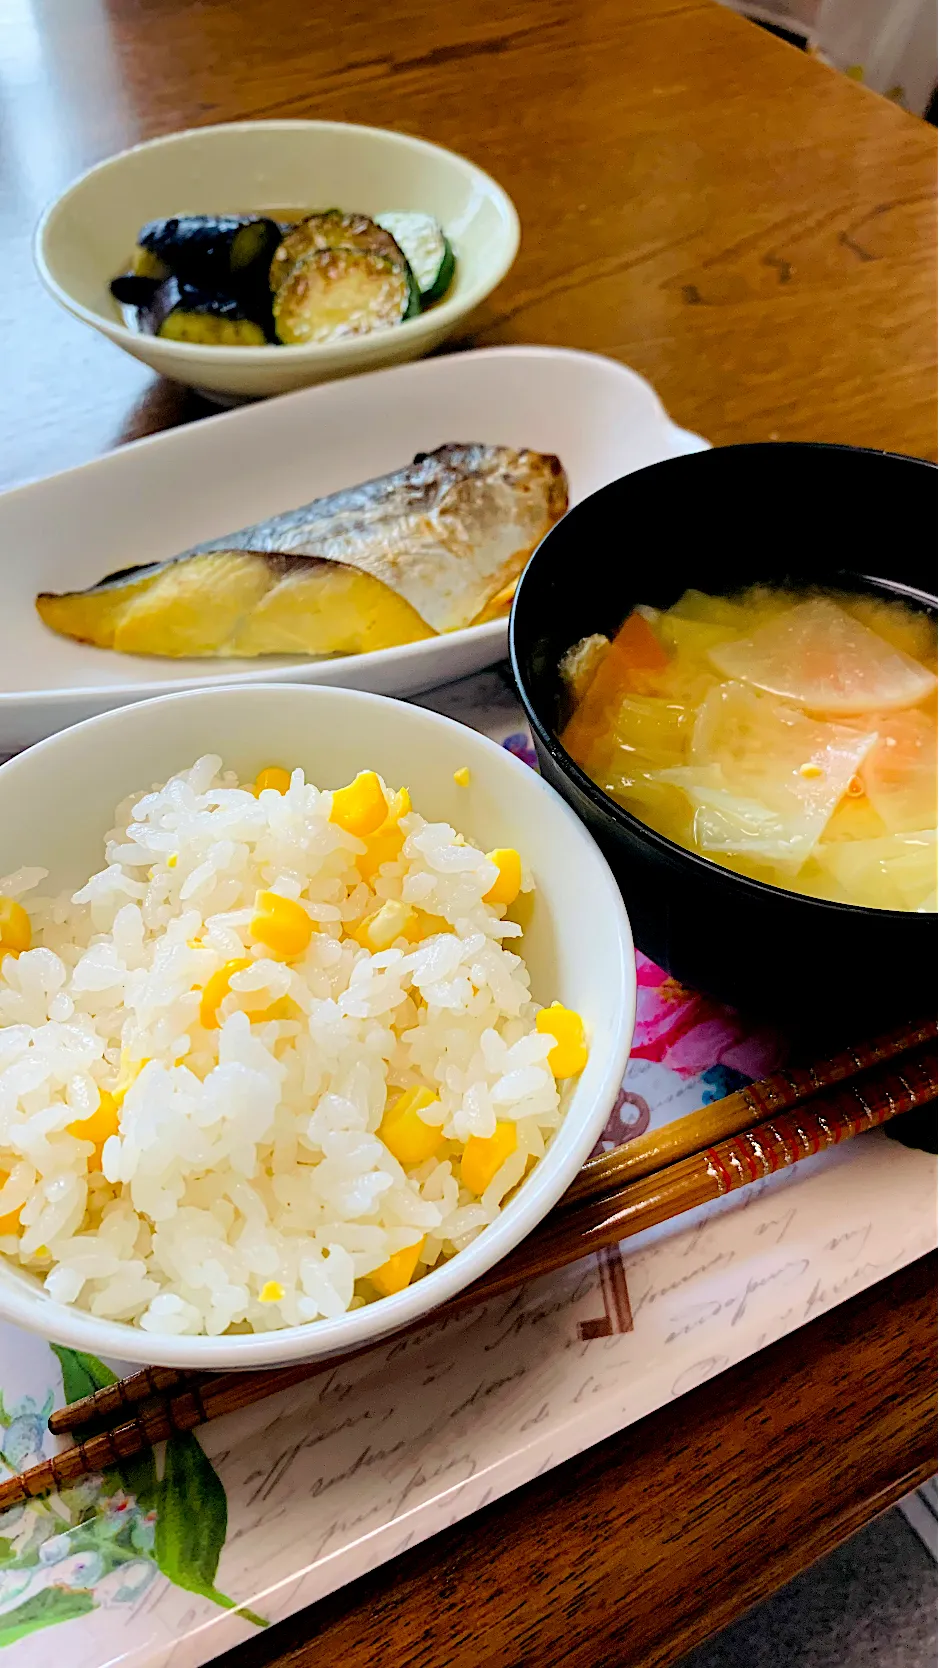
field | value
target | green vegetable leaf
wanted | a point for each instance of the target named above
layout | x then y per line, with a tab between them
53	1604
82	1375
192	1522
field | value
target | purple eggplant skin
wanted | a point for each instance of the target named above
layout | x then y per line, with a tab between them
131	290
183	313
216	252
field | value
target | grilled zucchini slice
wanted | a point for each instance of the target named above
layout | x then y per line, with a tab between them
427	250
333	293
331	229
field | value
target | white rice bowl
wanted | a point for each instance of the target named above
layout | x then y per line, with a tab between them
246	1187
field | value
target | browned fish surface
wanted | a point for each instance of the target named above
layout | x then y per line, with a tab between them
433	547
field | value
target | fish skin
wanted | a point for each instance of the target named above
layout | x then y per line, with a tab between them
446	533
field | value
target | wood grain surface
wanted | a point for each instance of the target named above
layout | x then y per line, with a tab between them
754	234
637	1550
747	229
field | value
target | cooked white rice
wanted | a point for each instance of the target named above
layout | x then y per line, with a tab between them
247	1159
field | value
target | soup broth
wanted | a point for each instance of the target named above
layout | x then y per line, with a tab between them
789	736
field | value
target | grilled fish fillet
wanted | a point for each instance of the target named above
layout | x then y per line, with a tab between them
238	603
433	547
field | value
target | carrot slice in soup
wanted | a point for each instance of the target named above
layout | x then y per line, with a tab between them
634	649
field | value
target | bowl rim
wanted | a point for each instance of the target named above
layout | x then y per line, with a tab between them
603	802
69	1324
448	311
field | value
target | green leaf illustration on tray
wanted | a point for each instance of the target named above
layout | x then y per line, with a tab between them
82	1375
192	1522
103	1541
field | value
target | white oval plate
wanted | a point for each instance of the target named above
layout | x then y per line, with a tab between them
158	496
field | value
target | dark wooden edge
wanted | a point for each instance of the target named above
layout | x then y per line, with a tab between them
640	1548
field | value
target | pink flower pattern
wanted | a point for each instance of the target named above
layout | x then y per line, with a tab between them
691	1033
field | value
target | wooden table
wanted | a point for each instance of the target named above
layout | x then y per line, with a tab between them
753	234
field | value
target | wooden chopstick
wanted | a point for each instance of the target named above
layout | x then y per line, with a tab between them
747	1157
602	1174
145	1385
738	1111
565	1237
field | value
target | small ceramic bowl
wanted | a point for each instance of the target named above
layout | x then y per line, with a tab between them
88	234
720	521
56	802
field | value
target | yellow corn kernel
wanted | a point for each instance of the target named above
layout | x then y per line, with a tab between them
15	930
216	988
99	1124
462	776
9	1224
361	808
42	1254
379	931
484	1155
570	1055
284	1008
271	1292
98	1127
426	926
283	925
397	1272
405	1133
810	771
172	860
273	777
383	847
129	1070
508	885
399	807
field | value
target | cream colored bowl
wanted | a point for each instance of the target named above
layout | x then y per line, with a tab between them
87	235
56	802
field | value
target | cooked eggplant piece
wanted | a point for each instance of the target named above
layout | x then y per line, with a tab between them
145	265
213	251
427	250
133	291
331	229
236	602
335	293
181	313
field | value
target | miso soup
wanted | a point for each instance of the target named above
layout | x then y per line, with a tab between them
788	736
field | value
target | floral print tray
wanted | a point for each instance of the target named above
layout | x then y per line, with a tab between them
177	1556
